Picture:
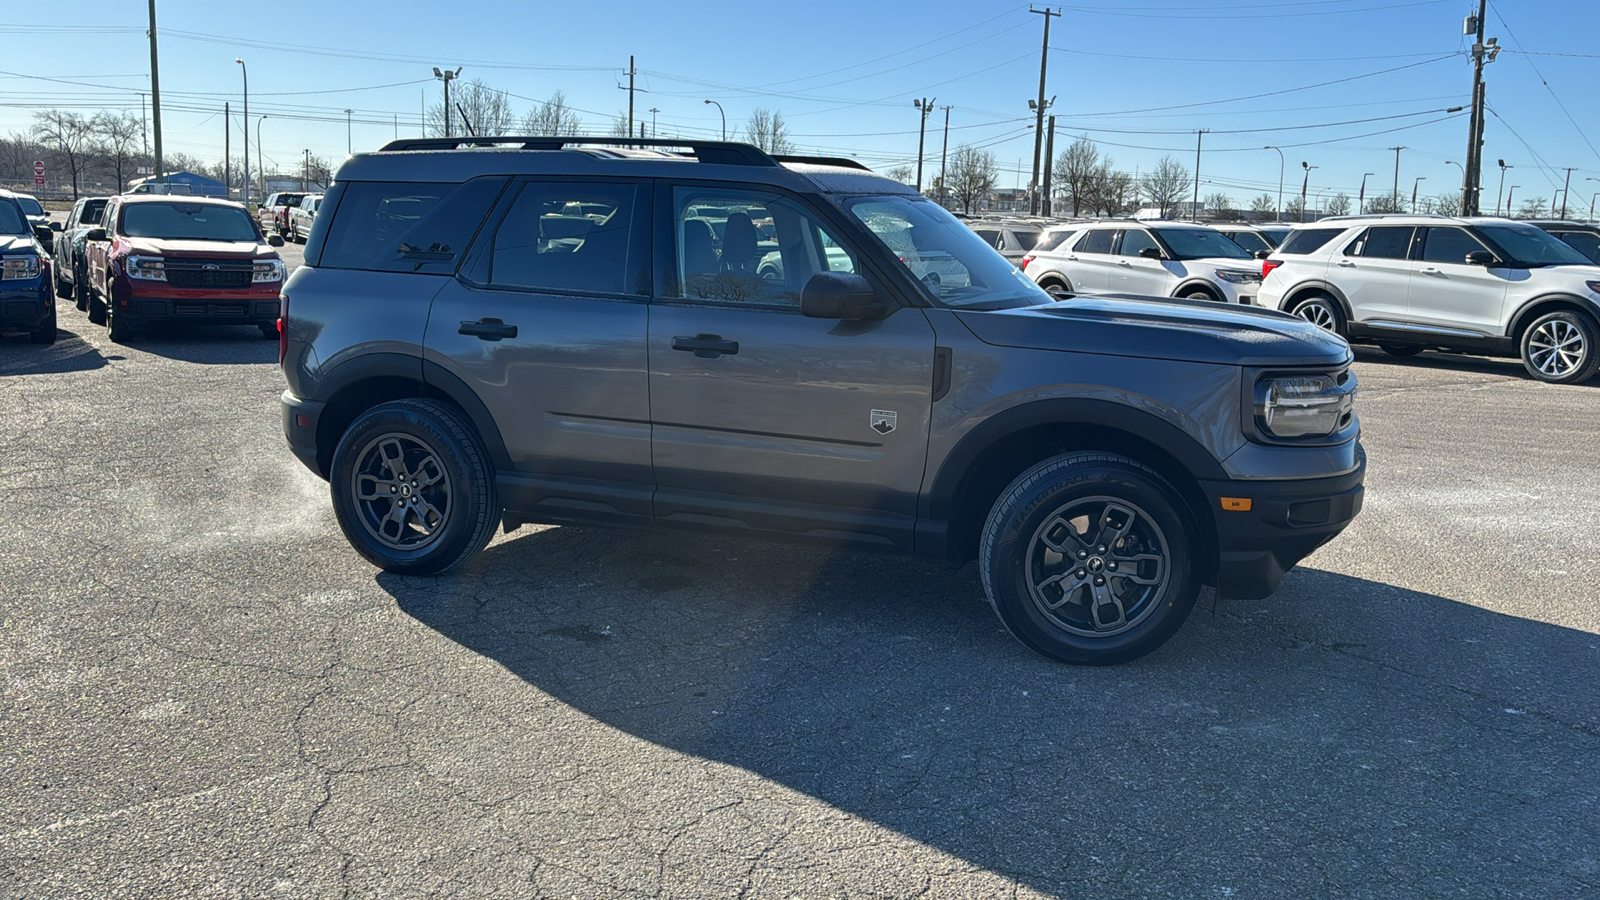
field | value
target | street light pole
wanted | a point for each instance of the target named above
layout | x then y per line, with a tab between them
1420	179
1280	181
1509	194
925	106
244	70
1397	173
446	76
1502	193
724	118
943	153
1566	191
1304	183
347	142
1361	199
260	170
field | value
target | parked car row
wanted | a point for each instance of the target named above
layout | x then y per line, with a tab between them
289	214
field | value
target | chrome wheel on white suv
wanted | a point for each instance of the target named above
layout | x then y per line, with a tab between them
1321	312
1561	348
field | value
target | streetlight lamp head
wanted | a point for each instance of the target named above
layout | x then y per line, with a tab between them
458	71
1502	163
238	60
1304	164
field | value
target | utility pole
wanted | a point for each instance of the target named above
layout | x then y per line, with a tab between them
155	93
631	72
1049	165
1038	125
925	106
1482	52
1194	211
305	173
1397	176
227	154
144	126
944	152
653	132
347	143
447	76
1566	191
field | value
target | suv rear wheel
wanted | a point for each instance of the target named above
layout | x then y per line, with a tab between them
1561	348
1322	311
413	489
1089	558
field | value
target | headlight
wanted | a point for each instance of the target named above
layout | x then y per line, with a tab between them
19	268
1239	276
267	270
1295	406
1594	286
146	268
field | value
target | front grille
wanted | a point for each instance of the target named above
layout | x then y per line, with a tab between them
204	272
208	309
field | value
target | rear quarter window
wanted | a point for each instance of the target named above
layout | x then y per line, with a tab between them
1308	240
417	227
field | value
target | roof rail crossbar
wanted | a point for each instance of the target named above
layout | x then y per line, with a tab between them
725	153
822	161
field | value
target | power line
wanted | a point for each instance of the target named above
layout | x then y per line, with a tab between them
1542	80
1179	12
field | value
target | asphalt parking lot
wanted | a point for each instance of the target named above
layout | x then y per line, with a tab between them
207	693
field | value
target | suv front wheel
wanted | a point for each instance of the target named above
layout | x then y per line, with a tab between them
1089	558
1322	311
1561	348
413	488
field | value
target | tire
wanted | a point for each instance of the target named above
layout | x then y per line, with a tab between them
1198	294
1322	311
80	291
1056	288
62	288
1401	350
46	333
1057	510
1562	347
97	307
431	440
121	329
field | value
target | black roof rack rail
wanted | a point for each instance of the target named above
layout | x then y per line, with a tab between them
727	153
822	161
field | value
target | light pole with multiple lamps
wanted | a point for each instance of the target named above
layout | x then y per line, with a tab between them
924	105
724	118
1280	181
244	70
447	76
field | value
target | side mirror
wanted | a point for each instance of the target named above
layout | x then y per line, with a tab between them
840	295
1150	253
274	240
55	226
1480	258
96	234
1262	254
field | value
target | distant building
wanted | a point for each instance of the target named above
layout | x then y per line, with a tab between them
198	184
276	183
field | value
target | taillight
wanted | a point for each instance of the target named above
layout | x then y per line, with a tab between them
1267	265
283	327
1025	260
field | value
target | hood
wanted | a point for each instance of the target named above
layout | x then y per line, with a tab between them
234	249
1182	330
17	243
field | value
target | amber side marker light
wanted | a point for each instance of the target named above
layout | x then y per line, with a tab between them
1236	504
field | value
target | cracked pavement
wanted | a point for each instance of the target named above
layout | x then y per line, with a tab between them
206	693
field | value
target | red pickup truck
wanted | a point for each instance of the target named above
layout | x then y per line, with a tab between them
162	258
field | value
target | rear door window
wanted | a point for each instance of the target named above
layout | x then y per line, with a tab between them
567	236
421	227
1383	242
1097	240
1449	245
1308	240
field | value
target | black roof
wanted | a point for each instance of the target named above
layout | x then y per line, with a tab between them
458	159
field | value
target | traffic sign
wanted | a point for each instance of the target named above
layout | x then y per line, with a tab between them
39	180
38	167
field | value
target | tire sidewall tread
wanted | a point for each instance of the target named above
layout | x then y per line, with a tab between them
1591	334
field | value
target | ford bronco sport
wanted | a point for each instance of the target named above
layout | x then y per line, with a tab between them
547	330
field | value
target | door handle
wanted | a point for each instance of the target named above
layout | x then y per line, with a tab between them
1431	271
1346	264
488	329
1125	264
705	346
1073	258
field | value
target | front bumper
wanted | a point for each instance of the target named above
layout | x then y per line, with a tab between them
300	419
27	308
217	310
1286	521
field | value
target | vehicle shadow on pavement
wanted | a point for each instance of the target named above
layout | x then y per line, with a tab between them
226	345
1442	361
69	353
1360	736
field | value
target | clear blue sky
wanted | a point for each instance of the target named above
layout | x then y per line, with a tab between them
1138	76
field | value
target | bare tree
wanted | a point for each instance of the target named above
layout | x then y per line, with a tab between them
486	110
67	135
1077	169
118	137
1167	184
619	126
1221	207
1113	191
908	175
767	131
1339	205
1386	203
1447	204
972	173
1295	207
554	117
1263	204
1532	209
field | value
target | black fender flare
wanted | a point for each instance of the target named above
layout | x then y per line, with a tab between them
1326	287
945	489
1527	311
431	379
1204	285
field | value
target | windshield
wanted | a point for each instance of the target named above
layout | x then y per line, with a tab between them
1276	235
951	261
1200	243
1249	240
30	205
11	219
188	222
1530	247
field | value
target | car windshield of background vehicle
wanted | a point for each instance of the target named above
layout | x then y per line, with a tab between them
1025	239
30	206
1585	242
187	222
91	212
956	266
1200	243
1249	240
1532	248
12	221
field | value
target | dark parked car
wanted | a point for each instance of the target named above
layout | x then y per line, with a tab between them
70	247
158	258
462	351
26	303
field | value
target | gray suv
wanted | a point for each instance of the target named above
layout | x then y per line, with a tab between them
502	331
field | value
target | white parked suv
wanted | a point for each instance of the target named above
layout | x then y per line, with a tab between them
1475	285
1159	259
